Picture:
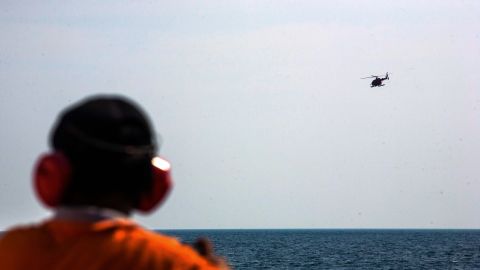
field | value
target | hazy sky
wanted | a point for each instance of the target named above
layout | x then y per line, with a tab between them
261	107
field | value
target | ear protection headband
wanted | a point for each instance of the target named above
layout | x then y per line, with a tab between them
52	175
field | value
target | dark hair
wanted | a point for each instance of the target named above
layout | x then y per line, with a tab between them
108	141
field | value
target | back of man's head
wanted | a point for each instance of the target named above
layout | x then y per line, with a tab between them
109	144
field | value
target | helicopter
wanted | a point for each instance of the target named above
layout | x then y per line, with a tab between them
377	81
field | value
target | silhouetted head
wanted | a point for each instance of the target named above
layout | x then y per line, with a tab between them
109	143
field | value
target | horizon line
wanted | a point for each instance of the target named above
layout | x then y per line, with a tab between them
309	228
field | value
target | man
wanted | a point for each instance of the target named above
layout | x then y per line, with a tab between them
102	167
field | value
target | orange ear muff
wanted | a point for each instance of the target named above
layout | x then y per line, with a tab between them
161	185
50	178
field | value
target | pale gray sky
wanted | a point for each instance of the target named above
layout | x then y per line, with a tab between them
261	107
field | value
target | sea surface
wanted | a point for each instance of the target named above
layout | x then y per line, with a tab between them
343	249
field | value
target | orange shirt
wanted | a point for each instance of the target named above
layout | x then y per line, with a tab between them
107	244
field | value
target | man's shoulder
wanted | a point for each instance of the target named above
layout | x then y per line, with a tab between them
167	248
18	241
16	234
161	243
155	239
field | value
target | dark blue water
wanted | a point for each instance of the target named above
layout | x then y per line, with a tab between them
343	249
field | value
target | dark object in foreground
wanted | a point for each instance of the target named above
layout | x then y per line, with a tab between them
204	247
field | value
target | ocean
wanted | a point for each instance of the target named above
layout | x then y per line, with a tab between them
343	249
